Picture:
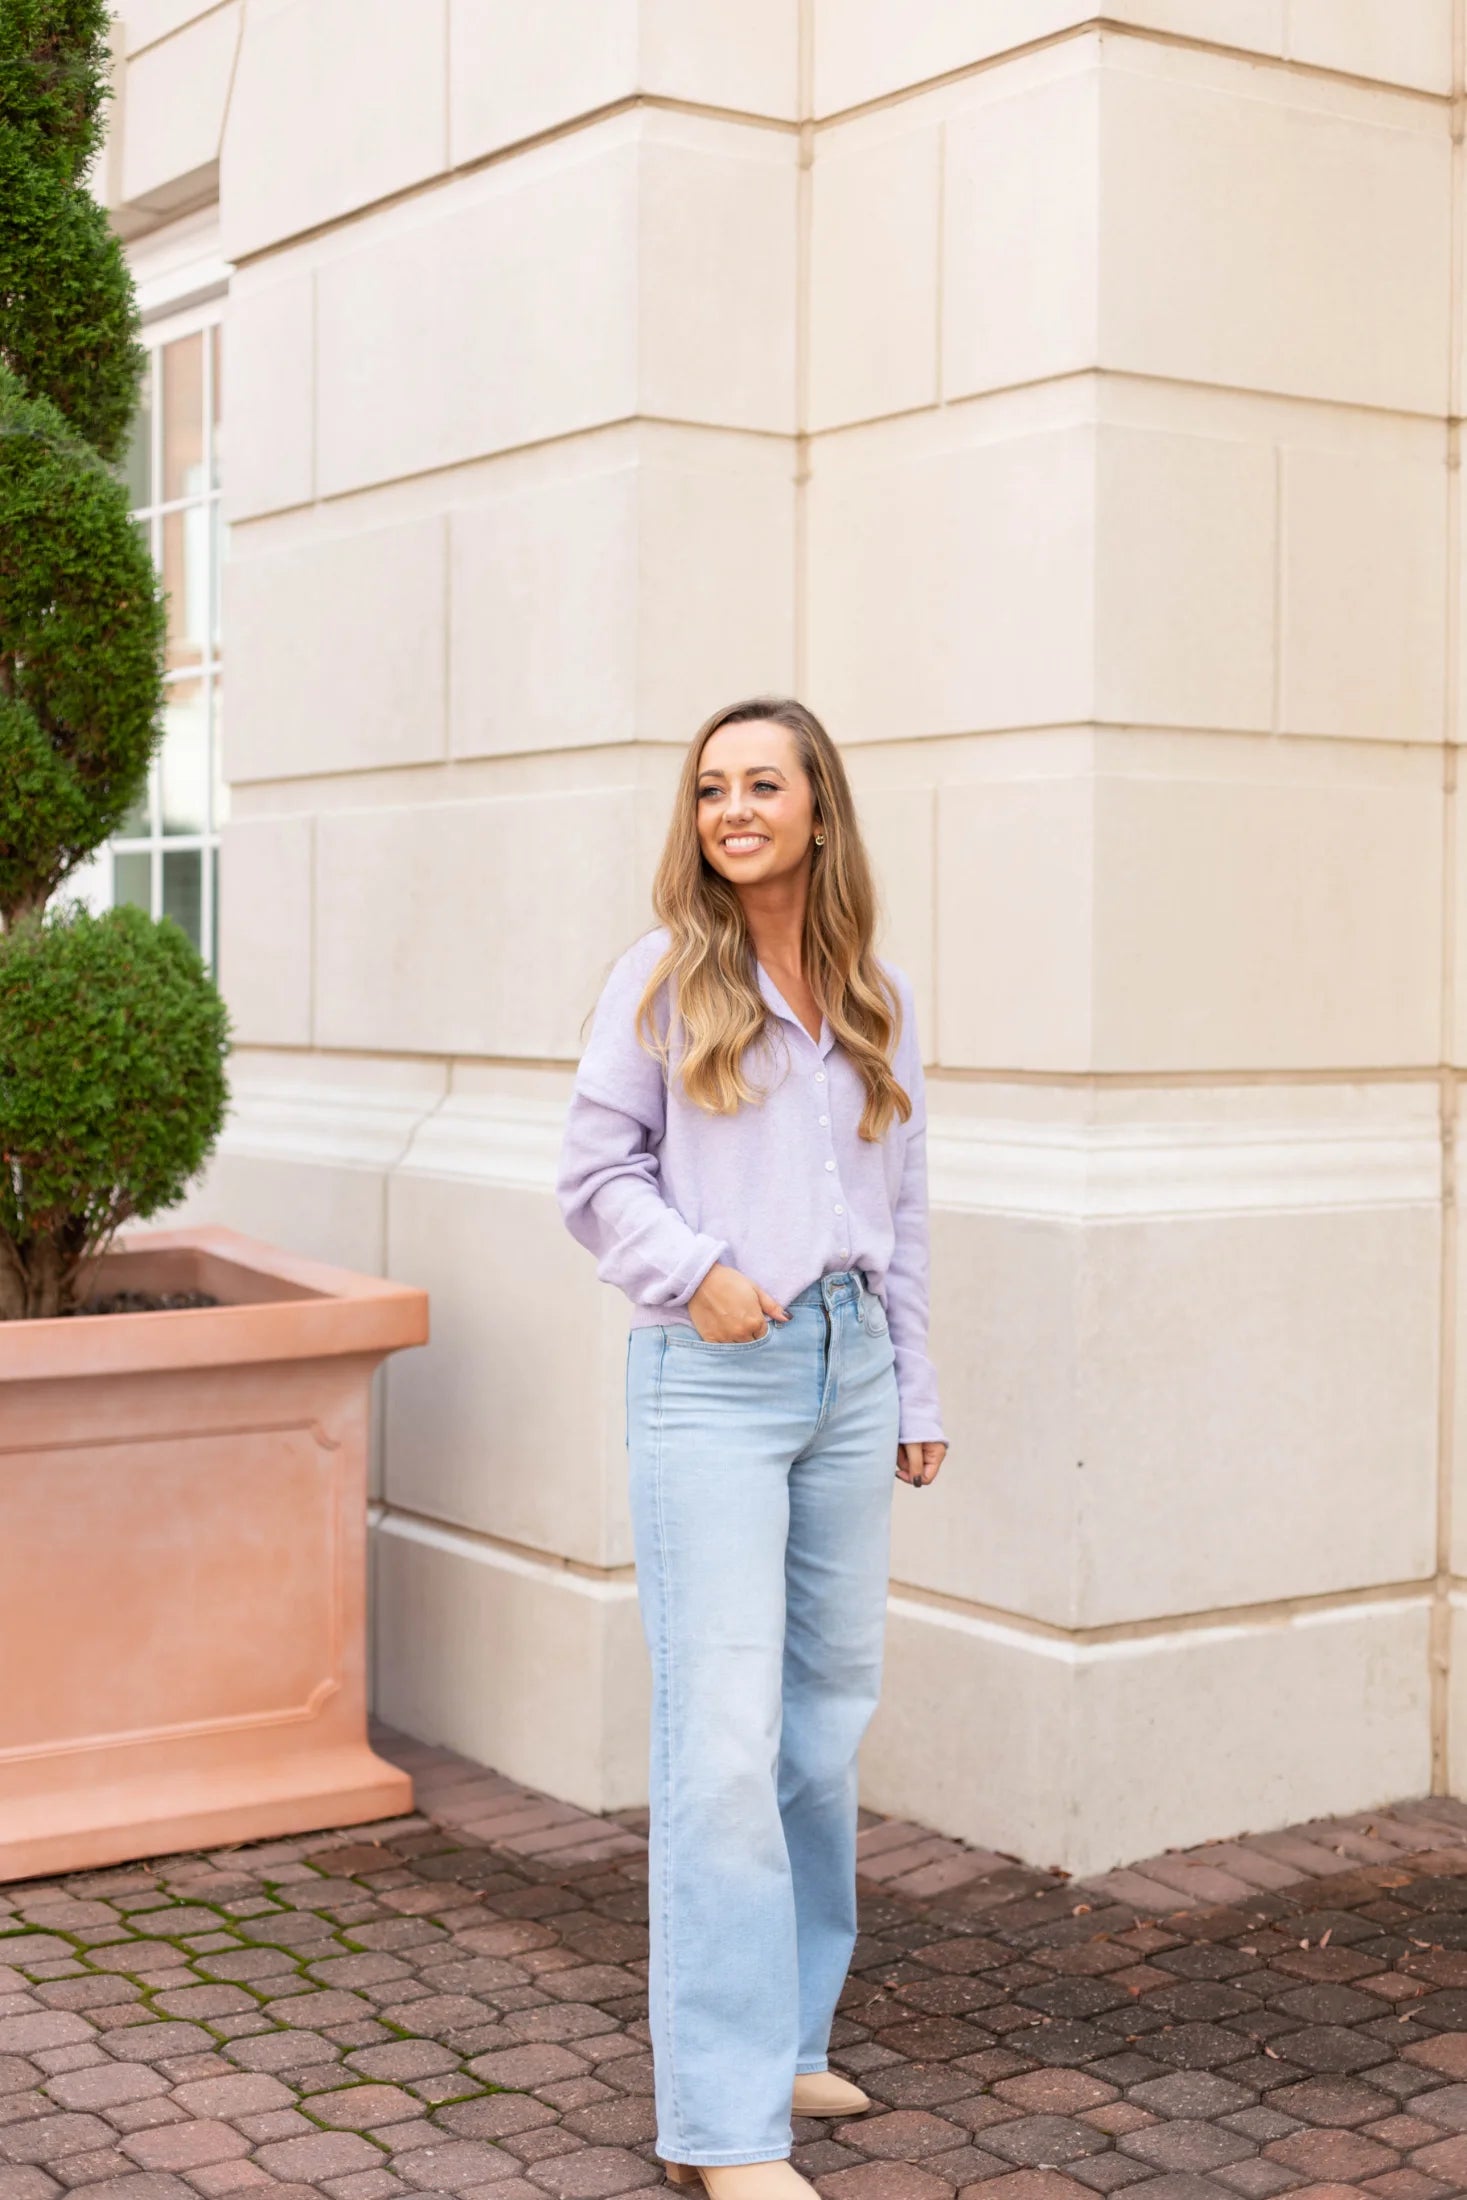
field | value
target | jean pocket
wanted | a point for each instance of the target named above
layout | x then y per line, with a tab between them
683	1335
875	1317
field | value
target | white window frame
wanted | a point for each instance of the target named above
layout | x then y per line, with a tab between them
181	284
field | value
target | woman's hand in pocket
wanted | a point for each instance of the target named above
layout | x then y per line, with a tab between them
918	1463
729	1308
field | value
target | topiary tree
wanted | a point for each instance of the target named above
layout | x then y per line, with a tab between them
112	1036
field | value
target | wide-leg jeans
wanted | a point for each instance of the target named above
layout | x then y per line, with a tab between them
761	1484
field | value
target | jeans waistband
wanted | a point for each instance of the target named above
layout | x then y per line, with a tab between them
829	1290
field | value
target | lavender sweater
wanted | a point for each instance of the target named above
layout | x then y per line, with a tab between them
659	1190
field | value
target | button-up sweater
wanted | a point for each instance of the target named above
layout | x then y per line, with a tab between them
785	1190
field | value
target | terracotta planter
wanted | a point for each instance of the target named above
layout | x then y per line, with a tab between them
183	1558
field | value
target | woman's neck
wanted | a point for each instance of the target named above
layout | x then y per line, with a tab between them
775	916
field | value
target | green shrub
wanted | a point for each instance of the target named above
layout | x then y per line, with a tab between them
68	318
81	651
111	1089
112	1036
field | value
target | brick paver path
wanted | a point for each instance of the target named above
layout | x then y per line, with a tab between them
454	2003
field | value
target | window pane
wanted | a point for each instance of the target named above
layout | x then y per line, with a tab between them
216	362
186	578
185	758
183	889
183	418
218	541
137	466
132	877
138	822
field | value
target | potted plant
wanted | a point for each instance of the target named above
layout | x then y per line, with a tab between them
183	1415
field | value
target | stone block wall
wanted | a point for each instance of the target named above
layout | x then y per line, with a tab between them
1067	407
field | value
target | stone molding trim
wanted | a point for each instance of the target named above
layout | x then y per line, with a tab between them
1064	1172
603	1585
347	1126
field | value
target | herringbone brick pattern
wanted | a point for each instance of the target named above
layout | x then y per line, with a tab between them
455	2003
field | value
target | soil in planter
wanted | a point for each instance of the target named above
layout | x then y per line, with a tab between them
146	1302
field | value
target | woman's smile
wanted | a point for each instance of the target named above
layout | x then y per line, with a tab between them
744	844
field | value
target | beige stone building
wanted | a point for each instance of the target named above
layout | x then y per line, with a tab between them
1068	407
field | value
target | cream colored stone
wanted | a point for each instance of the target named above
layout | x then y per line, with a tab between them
1104	1263
399	391
716	260
1364	595
1376	38
865	49
519	71
1457	1694
603	607
1021	215
1001	1527
1327	278
173	112
1095	1755
1015	883
716	587
1271	912
874	277
337	653
1456	1557
899	826
1454	1046
1316	1473
312	1208
545	601
1254	25
530	1668
1185	575
422	938
738	54
144	22
307	1146
336	103
1206	904
674	237
265	867
951	584
269	378
487	1434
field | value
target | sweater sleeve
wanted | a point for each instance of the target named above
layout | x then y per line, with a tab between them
609	1184
907	1278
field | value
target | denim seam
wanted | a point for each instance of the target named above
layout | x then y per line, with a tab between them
828	1396
731	2161
669	1998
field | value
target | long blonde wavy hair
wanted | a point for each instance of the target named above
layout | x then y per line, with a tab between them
710	965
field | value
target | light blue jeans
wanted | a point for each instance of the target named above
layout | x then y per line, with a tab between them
761	1481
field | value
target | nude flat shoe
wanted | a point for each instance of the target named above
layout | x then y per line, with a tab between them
743	2180
822	2093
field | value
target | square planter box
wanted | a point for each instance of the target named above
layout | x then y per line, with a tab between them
183	1506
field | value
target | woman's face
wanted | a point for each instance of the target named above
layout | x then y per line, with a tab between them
756	807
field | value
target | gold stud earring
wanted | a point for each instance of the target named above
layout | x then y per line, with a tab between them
820	840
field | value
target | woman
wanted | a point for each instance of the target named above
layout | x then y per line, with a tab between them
745	1157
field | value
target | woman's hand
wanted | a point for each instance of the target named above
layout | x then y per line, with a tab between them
727	1308
918	1463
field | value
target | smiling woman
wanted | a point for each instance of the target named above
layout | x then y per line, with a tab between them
745	1155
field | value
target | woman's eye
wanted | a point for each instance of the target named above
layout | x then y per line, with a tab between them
765	786
704	792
